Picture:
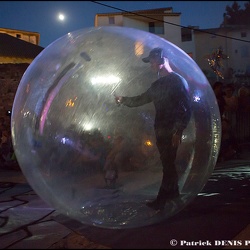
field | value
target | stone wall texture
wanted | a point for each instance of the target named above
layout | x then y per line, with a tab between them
10	77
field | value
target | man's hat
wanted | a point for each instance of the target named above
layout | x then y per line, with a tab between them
154	53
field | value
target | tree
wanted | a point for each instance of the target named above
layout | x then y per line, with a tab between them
236	16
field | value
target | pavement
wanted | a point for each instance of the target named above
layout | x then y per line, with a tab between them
219	217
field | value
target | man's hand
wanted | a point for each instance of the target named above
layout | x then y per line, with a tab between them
118	99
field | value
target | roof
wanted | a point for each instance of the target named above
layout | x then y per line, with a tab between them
144	15
225	29
159	11
17	31
14	47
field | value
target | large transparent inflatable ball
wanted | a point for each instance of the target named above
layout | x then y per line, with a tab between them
69	133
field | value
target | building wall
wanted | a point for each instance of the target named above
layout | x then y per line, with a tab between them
14	60
172	33
189	48
202	44
239	52
236	52
128	22
205	45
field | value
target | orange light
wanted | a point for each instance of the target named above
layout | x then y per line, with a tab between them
70	103
148	143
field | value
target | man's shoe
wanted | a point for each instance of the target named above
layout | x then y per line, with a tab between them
156	205
160	202
173	195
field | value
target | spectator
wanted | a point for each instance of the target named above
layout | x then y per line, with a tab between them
243	99
231	104
218	91
118	157
229	148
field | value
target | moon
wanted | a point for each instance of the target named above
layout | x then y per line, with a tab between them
61	17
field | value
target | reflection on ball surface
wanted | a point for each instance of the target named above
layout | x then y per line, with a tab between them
65	122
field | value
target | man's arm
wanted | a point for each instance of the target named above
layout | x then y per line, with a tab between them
134	101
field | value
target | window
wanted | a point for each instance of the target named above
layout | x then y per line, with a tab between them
156	27
111	20
186	35
151	27
18	36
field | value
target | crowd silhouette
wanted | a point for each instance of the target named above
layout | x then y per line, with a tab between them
234	107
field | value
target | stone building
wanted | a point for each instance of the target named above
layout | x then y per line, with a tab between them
15	56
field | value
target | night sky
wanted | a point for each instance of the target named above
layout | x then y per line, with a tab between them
42	16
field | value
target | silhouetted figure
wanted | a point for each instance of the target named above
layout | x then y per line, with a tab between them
170	96
229	148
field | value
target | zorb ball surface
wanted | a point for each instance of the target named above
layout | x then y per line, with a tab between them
67	129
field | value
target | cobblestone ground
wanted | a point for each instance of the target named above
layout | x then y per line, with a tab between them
76	241
27	222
